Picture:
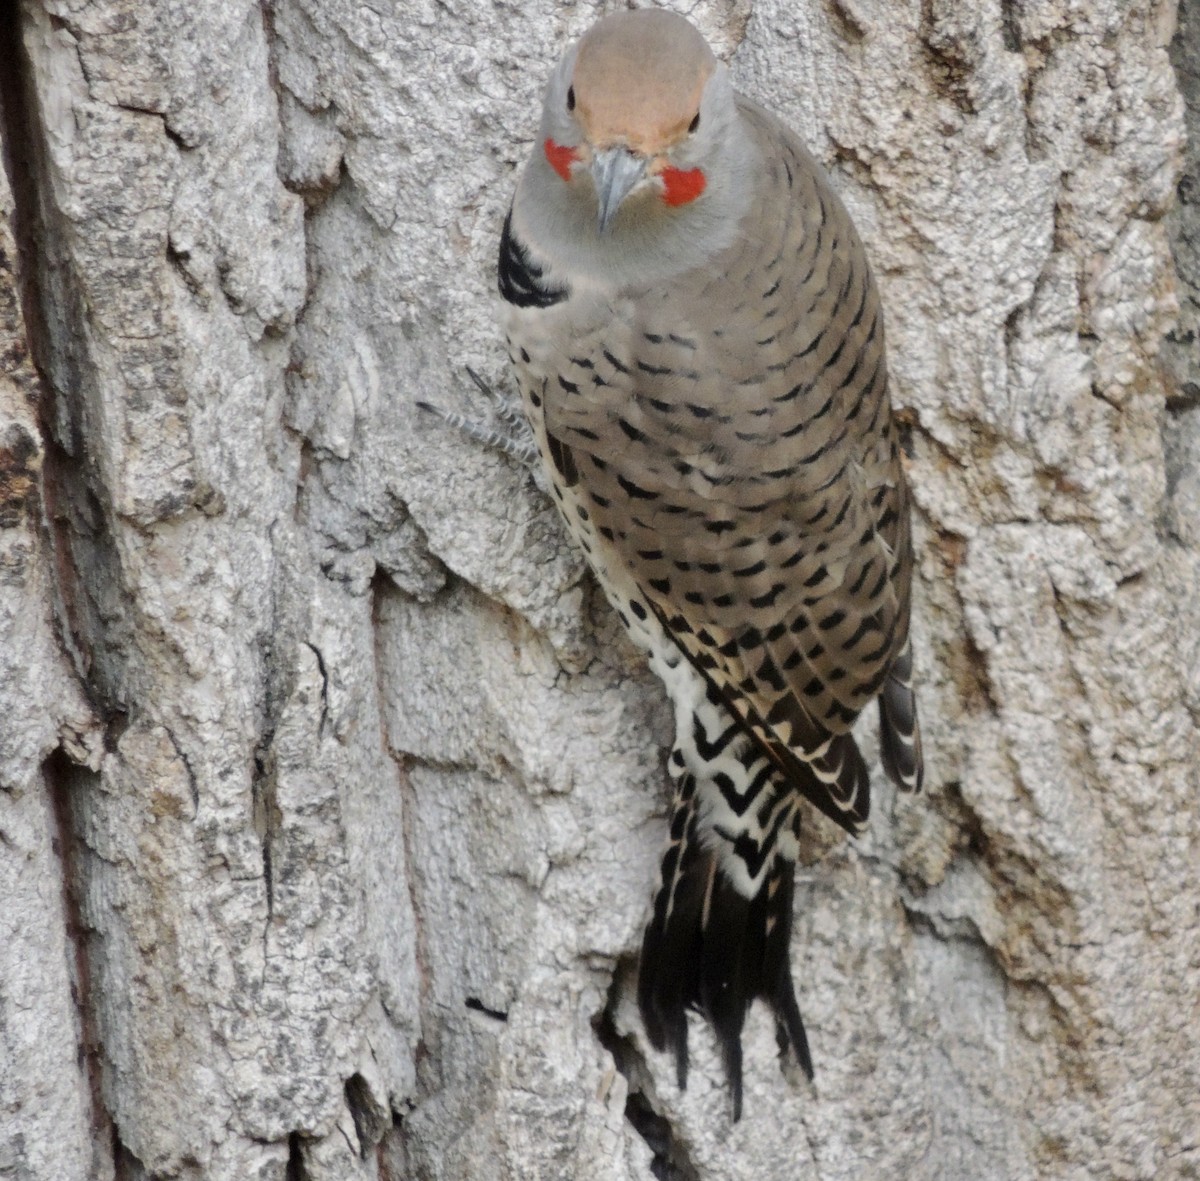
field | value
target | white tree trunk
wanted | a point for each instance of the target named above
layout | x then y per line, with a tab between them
330	795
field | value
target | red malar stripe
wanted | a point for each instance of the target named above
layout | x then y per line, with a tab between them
560	158
680	187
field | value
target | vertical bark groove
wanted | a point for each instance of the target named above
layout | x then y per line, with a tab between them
64	780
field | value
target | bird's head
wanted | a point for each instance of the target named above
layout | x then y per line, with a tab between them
634	114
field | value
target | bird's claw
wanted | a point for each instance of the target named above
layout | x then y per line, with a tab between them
506	430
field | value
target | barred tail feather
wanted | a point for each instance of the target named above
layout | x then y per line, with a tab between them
711	948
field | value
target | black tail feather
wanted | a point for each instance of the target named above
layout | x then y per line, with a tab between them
711	949
789	1030
899	728
673	934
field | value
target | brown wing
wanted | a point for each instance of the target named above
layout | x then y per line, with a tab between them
734	438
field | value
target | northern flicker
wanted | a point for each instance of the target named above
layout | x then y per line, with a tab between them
698	342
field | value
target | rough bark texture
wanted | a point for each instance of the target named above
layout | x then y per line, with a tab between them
331	797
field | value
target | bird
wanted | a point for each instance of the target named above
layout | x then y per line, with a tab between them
699	347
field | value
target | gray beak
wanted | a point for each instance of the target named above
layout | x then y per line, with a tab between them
615	171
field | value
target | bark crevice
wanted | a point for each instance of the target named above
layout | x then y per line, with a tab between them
66	782
670	1160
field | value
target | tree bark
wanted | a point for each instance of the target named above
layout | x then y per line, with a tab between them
331	795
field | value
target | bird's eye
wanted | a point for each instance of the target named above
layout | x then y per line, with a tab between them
694	123
570	98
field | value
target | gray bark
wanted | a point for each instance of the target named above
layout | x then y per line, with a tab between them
330	794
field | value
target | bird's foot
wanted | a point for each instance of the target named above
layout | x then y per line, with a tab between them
504	429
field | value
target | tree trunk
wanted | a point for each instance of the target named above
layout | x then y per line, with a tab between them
331	796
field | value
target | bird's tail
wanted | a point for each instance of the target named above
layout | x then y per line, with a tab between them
899	727
719	936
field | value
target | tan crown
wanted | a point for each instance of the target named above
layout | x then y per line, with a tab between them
638	80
